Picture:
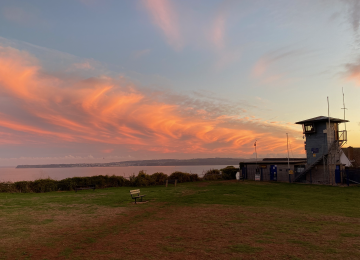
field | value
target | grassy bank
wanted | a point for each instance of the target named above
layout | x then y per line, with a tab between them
197	220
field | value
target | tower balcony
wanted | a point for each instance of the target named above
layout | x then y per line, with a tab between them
342	137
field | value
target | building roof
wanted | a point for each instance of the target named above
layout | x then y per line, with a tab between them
283	159
322	118
278	161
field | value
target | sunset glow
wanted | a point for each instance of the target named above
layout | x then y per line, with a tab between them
104	110
172	81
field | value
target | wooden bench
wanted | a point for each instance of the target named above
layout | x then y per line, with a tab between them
173	181
135	194
84	187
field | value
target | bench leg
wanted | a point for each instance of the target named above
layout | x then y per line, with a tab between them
135	200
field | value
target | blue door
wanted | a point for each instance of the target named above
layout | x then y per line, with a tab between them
244	175
337	174
273	172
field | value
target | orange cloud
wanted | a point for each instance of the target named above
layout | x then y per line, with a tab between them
107	151
266	66
353	72
109	111
165	18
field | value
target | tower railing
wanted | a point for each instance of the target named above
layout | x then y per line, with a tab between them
342	137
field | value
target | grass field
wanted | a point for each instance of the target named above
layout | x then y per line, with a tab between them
200	220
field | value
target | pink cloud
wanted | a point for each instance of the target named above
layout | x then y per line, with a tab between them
218	31
83	65
260	67
104	110
165	18
353	72
141	53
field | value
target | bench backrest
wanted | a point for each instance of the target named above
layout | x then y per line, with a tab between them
134	192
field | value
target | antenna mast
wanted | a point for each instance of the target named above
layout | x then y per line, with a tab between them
344	106
287	145
329	143
328	110
255	152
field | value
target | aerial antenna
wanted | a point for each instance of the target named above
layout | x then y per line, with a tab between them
344	106
287	145
328	110
328	131
255	152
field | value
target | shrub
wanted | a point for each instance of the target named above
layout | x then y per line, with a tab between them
159	178
100	181
67	184
194	177
7	187
212	175
43	185
143	179
229	172
181	176
22	186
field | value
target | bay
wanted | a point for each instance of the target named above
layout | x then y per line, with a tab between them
30	174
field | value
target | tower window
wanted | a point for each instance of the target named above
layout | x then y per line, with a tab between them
309	128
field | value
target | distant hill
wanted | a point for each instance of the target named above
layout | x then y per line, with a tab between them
162	162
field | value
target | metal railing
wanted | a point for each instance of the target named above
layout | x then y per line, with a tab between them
342	137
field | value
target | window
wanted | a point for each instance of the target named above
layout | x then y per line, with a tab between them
309	128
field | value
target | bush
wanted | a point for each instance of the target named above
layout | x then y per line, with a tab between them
100	181
22	186
43	185
184	176
159	178
143	179
212	175
229	172
7	187
194	177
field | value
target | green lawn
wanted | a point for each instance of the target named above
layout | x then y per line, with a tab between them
219	219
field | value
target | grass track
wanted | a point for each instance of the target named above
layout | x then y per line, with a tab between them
220	220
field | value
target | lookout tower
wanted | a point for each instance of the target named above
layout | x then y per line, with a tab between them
322	145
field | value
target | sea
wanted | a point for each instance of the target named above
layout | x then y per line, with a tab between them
12	174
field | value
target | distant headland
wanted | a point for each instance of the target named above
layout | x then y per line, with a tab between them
162	162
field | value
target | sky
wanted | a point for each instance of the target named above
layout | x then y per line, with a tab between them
104	81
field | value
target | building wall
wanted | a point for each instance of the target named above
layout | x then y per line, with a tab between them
282	174
316	176
316	140
323	174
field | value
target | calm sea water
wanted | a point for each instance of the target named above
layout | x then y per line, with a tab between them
30	174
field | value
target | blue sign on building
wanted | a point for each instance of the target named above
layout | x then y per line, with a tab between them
315	150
